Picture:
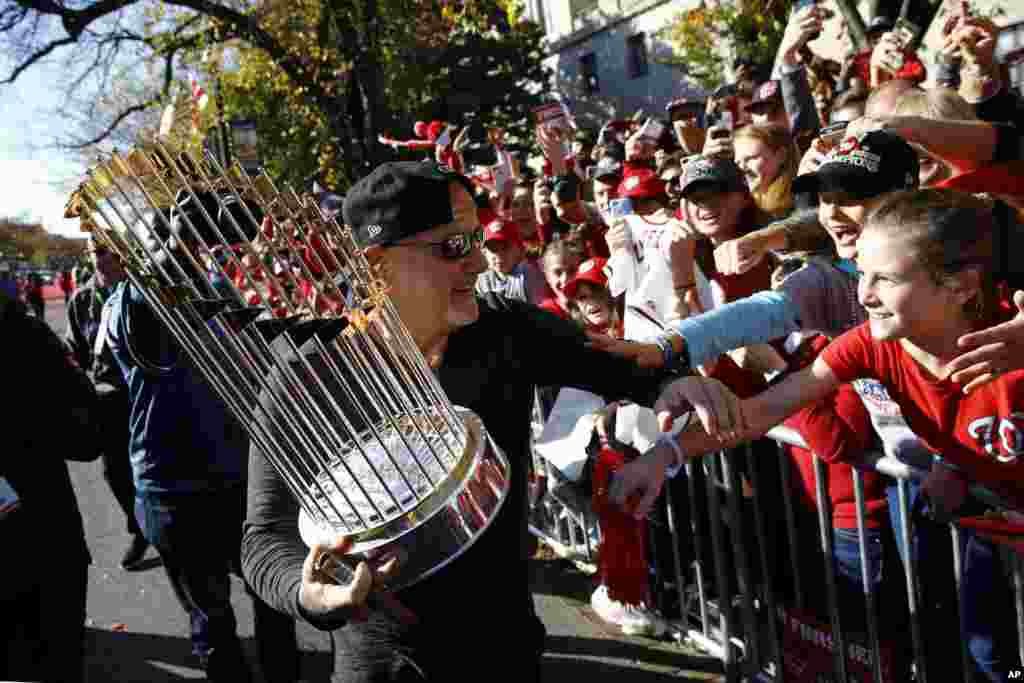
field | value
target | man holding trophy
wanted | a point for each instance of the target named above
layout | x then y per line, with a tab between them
416	225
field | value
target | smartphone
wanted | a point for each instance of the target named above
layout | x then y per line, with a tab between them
652	130
832	135
620	207
907	32
801	5
445	138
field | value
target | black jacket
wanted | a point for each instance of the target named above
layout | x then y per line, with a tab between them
49	417
477	611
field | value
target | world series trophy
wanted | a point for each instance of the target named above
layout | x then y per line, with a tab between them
277	308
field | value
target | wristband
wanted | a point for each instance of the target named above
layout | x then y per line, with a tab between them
672	470
665	345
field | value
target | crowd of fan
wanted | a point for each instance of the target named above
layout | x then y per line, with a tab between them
767	187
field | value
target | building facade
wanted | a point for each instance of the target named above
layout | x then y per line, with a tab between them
605	56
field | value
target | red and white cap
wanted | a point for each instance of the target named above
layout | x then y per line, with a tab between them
591	271
640	183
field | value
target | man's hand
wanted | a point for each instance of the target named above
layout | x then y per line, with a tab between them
739	255
720	147
803	27
815	156
888	55
719	410
640	148
644	355
550	143
321	597
678	244
642	477
974	39
988	353
618	235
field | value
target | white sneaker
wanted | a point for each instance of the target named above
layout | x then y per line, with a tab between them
640	621
634	621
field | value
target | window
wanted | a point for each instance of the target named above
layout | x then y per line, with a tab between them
636	55
1011	48
588	74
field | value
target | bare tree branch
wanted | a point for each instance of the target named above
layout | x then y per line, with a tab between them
109	129
35	57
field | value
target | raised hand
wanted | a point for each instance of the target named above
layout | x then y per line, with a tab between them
990	352
739	255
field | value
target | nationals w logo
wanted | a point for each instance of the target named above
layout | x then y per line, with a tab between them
1002	438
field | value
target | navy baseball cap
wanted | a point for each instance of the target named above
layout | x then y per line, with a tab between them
864	167
400	199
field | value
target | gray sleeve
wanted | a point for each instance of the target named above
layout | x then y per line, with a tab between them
796	96
272	551
824	299
813	298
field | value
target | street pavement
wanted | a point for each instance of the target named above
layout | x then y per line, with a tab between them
137	632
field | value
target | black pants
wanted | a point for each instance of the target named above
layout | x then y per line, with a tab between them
42	627
199	539
117	467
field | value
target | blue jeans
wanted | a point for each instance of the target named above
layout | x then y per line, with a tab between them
987	622
198	537
847	553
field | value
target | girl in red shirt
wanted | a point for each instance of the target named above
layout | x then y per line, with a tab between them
928	277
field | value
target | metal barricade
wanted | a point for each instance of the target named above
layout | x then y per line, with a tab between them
735	616
749	642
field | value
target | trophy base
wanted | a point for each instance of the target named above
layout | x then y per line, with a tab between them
442	525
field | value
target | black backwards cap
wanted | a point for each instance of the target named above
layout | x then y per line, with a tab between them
400	199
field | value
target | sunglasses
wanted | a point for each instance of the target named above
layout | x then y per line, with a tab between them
454	247
672	182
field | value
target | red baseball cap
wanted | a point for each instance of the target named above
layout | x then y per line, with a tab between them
641	183
502	231
592	271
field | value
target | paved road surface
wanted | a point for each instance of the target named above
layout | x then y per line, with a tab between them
137	632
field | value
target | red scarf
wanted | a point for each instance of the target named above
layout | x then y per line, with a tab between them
622	559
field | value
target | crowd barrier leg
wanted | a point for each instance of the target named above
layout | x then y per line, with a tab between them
767	573
866	583
738	536
1018	596
721	578
965	655
787	503
825	525
698	550
910	570
677	560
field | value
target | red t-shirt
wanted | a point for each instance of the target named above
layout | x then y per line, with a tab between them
838	429
981	432
551	305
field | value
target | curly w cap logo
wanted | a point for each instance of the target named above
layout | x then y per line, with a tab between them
373	230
